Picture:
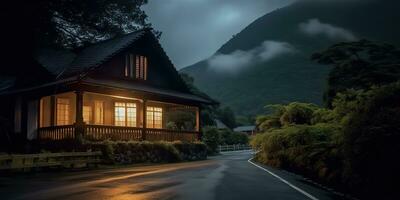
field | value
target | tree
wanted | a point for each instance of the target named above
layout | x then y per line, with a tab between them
208	113
227	116
65	23
359	65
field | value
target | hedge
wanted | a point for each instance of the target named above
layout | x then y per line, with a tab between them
130	152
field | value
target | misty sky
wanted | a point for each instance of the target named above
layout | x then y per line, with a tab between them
194	29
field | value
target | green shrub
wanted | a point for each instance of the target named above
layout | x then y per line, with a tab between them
191	151
298	113
371	143
212	139
306	149
129	152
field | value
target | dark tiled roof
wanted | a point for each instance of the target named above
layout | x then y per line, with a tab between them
55	60
146	88
244	128
6	82
98	53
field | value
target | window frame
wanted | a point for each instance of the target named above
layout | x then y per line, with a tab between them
151	112
89	112
136	66
67	113
126	114
102	116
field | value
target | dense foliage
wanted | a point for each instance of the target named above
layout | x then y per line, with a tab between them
359	65
213	137
130	152
211	112
76	22
352	146
353	143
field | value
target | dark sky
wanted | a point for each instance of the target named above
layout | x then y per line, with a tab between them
194	29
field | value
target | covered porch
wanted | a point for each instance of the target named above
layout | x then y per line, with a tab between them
94	116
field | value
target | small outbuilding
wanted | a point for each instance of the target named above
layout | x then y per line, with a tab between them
249	130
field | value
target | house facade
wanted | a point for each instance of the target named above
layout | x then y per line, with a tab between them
124	88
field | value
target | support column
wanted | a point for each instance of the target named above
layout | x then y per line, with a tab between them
53	109
144	117
198	122
79	124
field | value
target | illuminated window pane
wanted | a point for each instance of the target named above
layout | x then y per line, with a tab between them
125	114
98	112
63	114
119	115
154	117
87	114
131	114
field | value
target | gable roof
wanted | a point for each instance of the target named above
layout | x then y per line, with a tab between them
63	63
6	82
54	60
98	53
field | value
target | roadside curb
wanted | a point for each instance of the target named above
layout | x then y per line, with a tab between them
306	180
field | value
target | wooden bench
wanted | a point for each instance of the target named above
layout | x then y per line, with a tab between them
67	160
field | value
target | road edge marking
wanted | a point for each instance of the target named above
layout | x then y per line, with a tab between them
284	181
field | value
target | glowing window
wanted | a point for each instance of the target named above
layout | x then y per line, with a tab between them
136	66
63	114
154	117
87	114
125	114
141	67
98	112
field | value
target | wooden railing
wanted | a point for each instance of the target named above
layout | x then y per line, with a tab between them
57	132
100	132
170	135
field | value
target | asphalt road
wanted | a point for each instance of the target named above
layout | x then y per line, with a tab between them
229	176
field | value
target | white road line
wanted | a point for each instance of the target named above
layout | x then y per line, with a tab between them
285	181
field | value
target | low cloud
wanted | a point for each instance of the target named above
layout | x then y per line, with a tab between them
315	27
239	60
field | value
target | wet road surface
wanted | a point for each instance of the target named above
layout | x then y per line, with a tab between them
229	176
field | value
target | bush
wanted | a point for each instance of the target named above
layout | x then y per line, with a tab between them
352	147
371	144
212	139
297	113
129	152
305	149
191	151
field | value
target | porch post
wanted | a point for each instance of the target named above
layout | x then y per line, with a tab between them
53	109
198	124
79	124
144	117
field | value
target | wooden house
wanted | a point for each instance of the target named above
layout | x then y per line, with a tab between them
125	88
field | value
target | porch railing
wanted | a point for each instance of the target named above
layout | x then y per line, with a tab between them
57	132
170	135
100	132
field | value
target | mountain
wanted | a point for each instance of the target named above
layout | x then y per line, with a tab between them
269	61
